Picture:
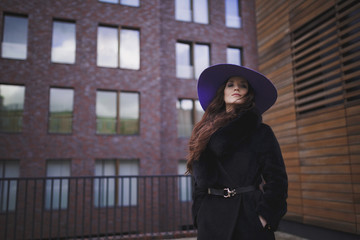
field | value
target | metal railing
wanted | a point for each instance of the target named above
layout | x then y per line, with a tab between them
114	207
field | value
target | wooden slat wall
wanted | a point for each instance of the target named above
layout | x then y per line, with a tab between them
322	148
275	62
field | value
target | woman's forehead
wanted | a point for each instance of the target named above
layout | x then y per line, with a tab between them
237	78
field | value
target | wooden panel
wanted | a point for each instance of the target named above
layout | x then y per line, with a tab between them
317	116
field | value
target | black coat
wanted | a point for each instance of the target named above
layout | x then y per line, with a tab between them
243	153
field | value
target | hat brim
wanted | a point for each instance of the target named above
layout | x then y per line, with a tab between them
214	76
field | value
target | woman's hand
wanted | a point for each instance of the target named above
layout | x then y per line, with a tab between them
263	221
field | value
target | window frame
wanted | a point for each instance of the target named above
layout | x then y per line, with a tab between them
52	40
192	12
193	60
8	203
239	2
53	190
118	44
3	34
194	118
118	182
72	113
20	130
118	115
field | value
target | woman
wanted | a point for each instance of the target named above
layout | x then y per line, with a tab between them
235	159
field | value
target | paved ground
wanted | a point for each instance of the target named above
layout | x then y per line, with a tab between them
278	236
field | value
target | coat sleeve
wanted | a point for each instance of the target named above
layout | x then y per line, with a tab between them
272	205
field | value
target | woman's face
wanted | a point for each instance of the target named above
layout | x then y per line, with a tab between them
235	91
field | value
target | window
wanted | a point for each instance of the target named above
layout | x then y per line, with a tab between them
109	54
189	113
63	42
192	10
191	59
57	188
233	55
118	184
133	3
232	13
61	110
14	44
117	112
11	107
325	55
184	183
8	188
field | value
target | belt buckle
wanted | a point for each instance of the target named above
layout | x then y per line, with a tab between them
229	193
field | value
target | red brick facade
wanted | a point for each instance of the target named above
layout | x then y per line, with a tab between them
157	146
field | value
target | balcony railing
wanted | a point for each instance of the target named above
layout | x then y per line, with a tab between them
115	207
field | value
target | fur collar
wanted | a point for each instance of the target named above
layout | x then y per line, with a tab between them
235	132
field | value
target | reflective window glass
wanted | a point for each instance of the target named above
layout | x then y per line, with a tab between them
133	3
107	47
11	107
184	182
233	55
113	189
117	112
106	112
14	44
8	188
201	58
57	189
63	42
61	110
184	68
109	1
129	113
232	13
185	122
201	11
183	10
130	49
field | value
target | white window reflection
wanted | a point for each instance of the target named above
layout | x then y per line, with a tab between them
202	58
184	182
184	68
232	13
192	10
57	188
110	55
129	49
133	3
14	44
201	11
188	64
183	10
107	47
233	56
63	42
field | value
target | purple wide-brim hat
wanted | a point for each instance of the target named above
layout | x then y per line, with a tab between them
214	76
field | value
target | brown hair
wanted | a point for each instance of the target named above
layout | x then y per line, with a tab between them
215	117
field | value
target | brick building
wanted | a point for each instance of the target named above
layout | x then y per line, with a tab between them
98	88
107	87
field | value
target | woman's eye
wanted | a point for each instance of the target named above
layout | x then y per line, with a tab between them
230	85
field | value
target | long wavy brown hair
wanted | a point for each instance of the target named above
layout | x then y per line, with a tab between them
215	117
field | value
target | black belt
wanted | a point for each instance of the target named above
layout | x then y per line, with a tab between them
227	192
